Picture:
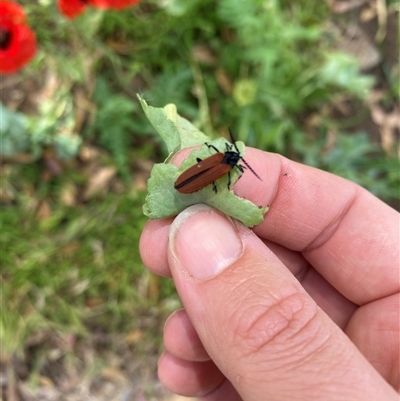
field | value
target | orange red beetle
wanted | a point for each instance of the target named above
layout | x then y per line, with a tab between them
212	168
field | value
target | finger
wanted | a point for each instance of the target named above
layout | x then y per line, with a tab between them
187	378
331	301
153	246
223	392
181	339
375	330
347	234
182	342
261	329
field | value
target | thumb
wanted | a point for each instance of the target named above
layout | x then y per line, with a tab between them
259	326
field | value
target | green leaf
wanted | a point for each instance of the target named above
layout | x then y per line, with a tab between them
67	146
177	8
13	132
342	70
177	132
163	200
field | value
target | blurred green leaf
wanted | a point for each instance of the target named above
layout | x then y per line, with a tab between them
13	132
67	146
342	70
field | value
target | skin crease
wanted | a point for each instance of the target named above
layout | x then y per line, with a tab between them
308	308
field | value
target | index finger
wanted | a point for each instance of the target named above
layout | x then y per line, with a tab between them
346	233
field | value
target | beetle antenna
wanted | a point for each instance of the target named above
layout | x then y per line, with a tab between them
244	161
231	135
233	139
248	166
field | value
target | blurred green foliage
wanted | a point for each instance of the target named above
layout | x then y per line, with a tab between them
114	123
260	67
77	270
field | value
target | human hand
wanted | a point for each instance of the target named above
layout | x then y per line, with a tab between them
305	306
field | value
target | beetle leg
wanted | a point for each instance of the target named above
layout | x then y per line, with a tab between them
214	187
241	168
212	146
229	180
199	160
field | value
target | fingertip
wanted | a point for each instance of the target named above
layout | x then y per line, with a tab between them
187	378
181	338
153	245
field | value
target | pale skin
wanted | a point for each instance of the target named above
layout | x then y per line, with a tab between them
305	306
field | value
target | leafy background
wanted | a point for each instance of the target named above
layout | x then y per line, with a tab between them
317	82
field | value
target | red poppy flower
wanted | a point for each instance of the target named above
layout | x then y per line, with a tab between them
120	4
73	8
17	41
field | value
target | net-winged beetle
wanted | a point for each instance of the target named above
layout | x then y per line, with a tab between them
212	168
